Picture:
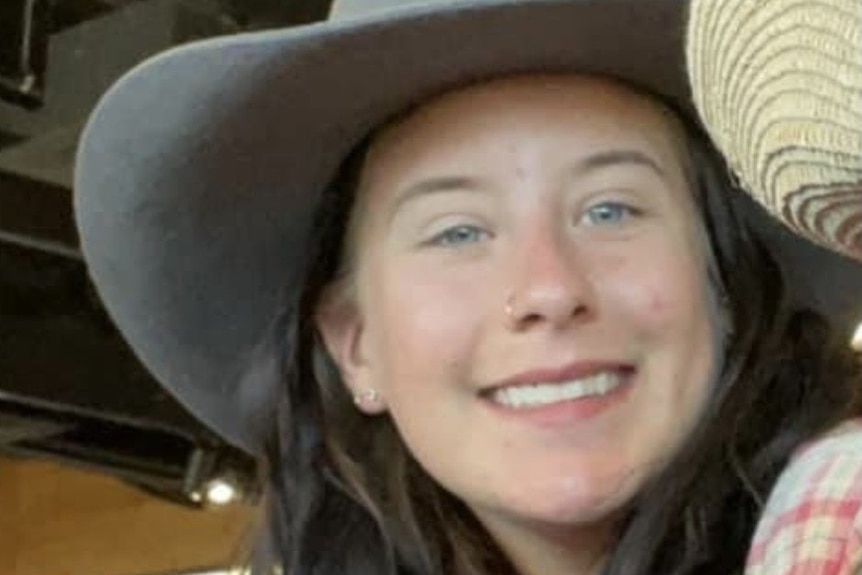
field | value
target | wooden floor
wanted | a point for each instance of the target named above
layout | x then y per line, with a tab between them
56	520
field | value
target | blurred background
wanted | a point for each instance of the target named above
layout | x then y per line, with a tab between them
101	473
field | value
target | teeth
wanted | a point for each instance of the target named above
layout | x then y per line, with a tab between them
538	394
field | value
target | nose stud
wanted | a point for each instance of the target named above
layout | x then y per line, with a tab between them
509	308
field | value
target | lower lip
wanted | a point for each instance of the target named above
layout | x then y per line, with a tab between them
567	412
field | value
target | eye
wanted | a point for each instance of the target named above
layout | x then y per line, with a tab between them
609	213
459	235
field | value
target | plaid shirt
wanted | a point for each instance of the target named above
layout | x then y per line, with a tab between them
812	522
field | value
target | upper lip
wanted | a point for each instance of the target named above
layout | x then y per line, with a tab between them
576	370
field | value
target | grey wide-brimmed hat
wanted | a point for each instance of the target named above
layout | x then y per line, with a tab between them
199	172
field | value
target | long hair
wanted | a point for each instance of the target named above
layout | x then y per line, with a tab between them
345	497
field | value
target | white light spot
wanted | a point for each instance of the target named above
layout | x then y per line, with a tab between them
856	343
221	492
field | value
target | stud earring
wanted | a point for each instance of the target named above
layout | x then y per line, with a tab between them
366	398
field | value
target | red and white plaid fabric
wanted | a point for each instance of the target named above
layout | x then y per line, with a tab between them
812	522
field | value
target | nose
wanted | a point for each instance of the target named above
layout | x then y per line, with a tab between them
550	286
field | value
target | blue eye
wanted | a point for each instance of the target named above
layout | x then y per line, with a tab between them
459	235
608	213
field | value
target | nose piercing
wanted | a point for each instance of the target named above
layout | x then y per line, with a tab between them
509	308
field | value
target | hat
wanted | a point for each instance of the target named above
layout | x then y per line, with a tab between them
199	172
778	85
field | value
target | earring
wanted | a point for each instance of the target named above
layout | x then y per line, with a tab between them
366	398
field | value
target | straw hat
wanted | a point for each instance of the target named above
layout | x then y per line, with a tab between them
199	173
778	84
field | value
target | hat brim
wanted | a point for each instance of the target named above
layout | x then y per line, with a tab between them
199	172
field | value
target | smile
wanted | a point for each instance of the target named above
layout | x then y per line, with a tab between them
539	394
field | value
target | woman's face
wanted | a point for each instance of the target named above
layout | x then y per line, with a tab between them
529	296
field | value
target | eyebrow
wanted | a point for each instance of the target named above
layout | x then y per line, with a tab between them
434	185
615	157
583	167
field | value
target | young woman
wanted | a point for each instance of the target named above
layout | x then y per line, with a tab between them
492	310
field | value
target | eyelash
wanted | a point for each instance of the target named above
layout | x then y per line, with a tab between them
623	210
445	238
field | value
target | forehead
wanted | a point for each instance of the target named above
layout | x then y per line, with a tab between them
596	111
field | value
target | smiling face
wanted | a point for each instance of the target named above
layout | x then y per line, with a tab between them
529	297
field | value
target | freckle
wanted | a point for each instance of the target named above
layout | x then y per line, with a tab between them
520	173
657	303
520	170
615	263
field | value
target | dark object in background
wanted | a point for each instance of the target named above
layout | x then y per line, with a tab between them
70	389
24	28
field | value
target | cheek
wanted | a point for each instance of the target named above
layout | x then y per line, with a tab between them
668	311
661	295
665	306
422	327
652	302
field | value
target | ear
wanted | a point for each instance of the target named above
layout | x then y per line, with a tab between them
341	326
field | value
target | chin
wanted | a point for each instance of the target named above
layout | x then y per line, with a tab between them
585	511
577	502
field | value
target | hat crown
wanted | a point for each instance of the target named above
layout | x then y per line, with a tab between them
343	9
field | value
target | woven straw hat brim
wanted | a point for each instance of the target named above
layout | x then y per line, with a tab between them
779	86
199	172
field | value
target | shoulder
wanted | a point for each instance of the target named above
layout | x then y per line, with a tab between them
812	522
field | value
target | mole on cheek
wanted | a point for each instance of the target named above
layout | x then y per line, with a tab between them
657	304
520	172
